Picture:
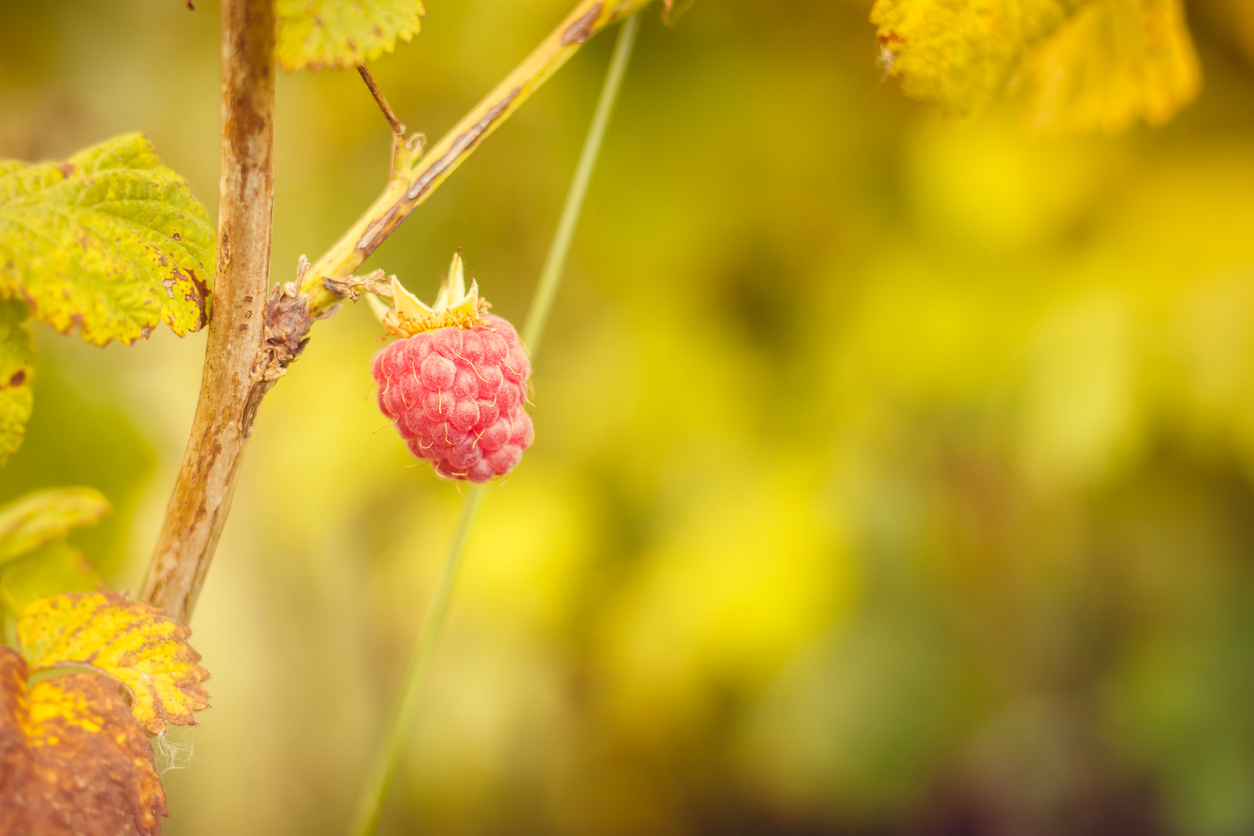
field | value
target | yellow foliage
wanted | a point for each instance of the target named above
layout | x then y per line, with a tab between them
1115	62
1088	64
1018	375
958	54
132	642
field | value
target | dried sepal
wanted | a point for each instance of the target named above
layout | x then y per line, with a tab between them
352	287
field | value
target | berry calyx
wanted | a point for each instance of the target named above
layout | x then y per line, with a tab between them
455	383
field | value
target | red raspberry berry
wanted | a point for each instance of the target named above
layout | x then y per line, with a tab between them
457	395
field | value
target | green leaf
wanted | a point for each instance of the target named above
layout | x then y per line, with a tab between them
958	54
55	568
110	240
39	518
1115	62
339	34
15	372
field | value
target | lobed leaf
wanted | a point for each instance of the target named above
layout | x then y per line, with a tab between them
135	643
15	371
37	518
110	240
50	570
313	34
1115	62
72	758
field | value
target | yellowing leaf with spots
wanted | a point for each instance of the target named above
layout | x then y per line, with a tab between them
134	643
110	241
30	521
15	371
1115	62
72	758
314	34
1088	64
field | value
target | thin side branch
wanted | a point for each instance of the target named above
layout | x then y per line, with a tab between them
407	189
397	128
231	385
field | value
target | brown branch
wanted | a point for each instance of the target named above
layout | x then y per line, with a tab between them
388	113
234	379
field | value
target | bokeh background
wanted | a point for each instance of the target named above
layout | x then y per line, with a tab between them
891	477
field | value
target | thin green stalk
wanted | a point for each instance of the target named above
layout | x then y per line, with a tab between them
383	771
401	722
551	273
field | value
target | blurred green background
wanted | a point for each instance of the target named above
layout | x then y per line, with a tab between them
891	476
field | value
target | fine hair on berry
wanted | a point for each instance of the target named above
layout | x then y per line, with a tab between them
457	397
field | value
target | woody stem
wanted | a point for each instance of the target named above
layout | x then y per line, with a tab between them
229	392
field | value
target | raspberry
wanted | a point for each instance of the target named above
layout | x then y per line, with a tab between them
456	392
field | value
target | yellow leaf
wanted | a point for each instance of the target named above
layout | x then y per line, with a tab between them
1087	64
337	34
135	643
1115	62
72	758
958	54
30	521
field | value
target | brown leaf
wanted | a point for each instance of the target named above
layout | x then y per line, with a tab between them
72	758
